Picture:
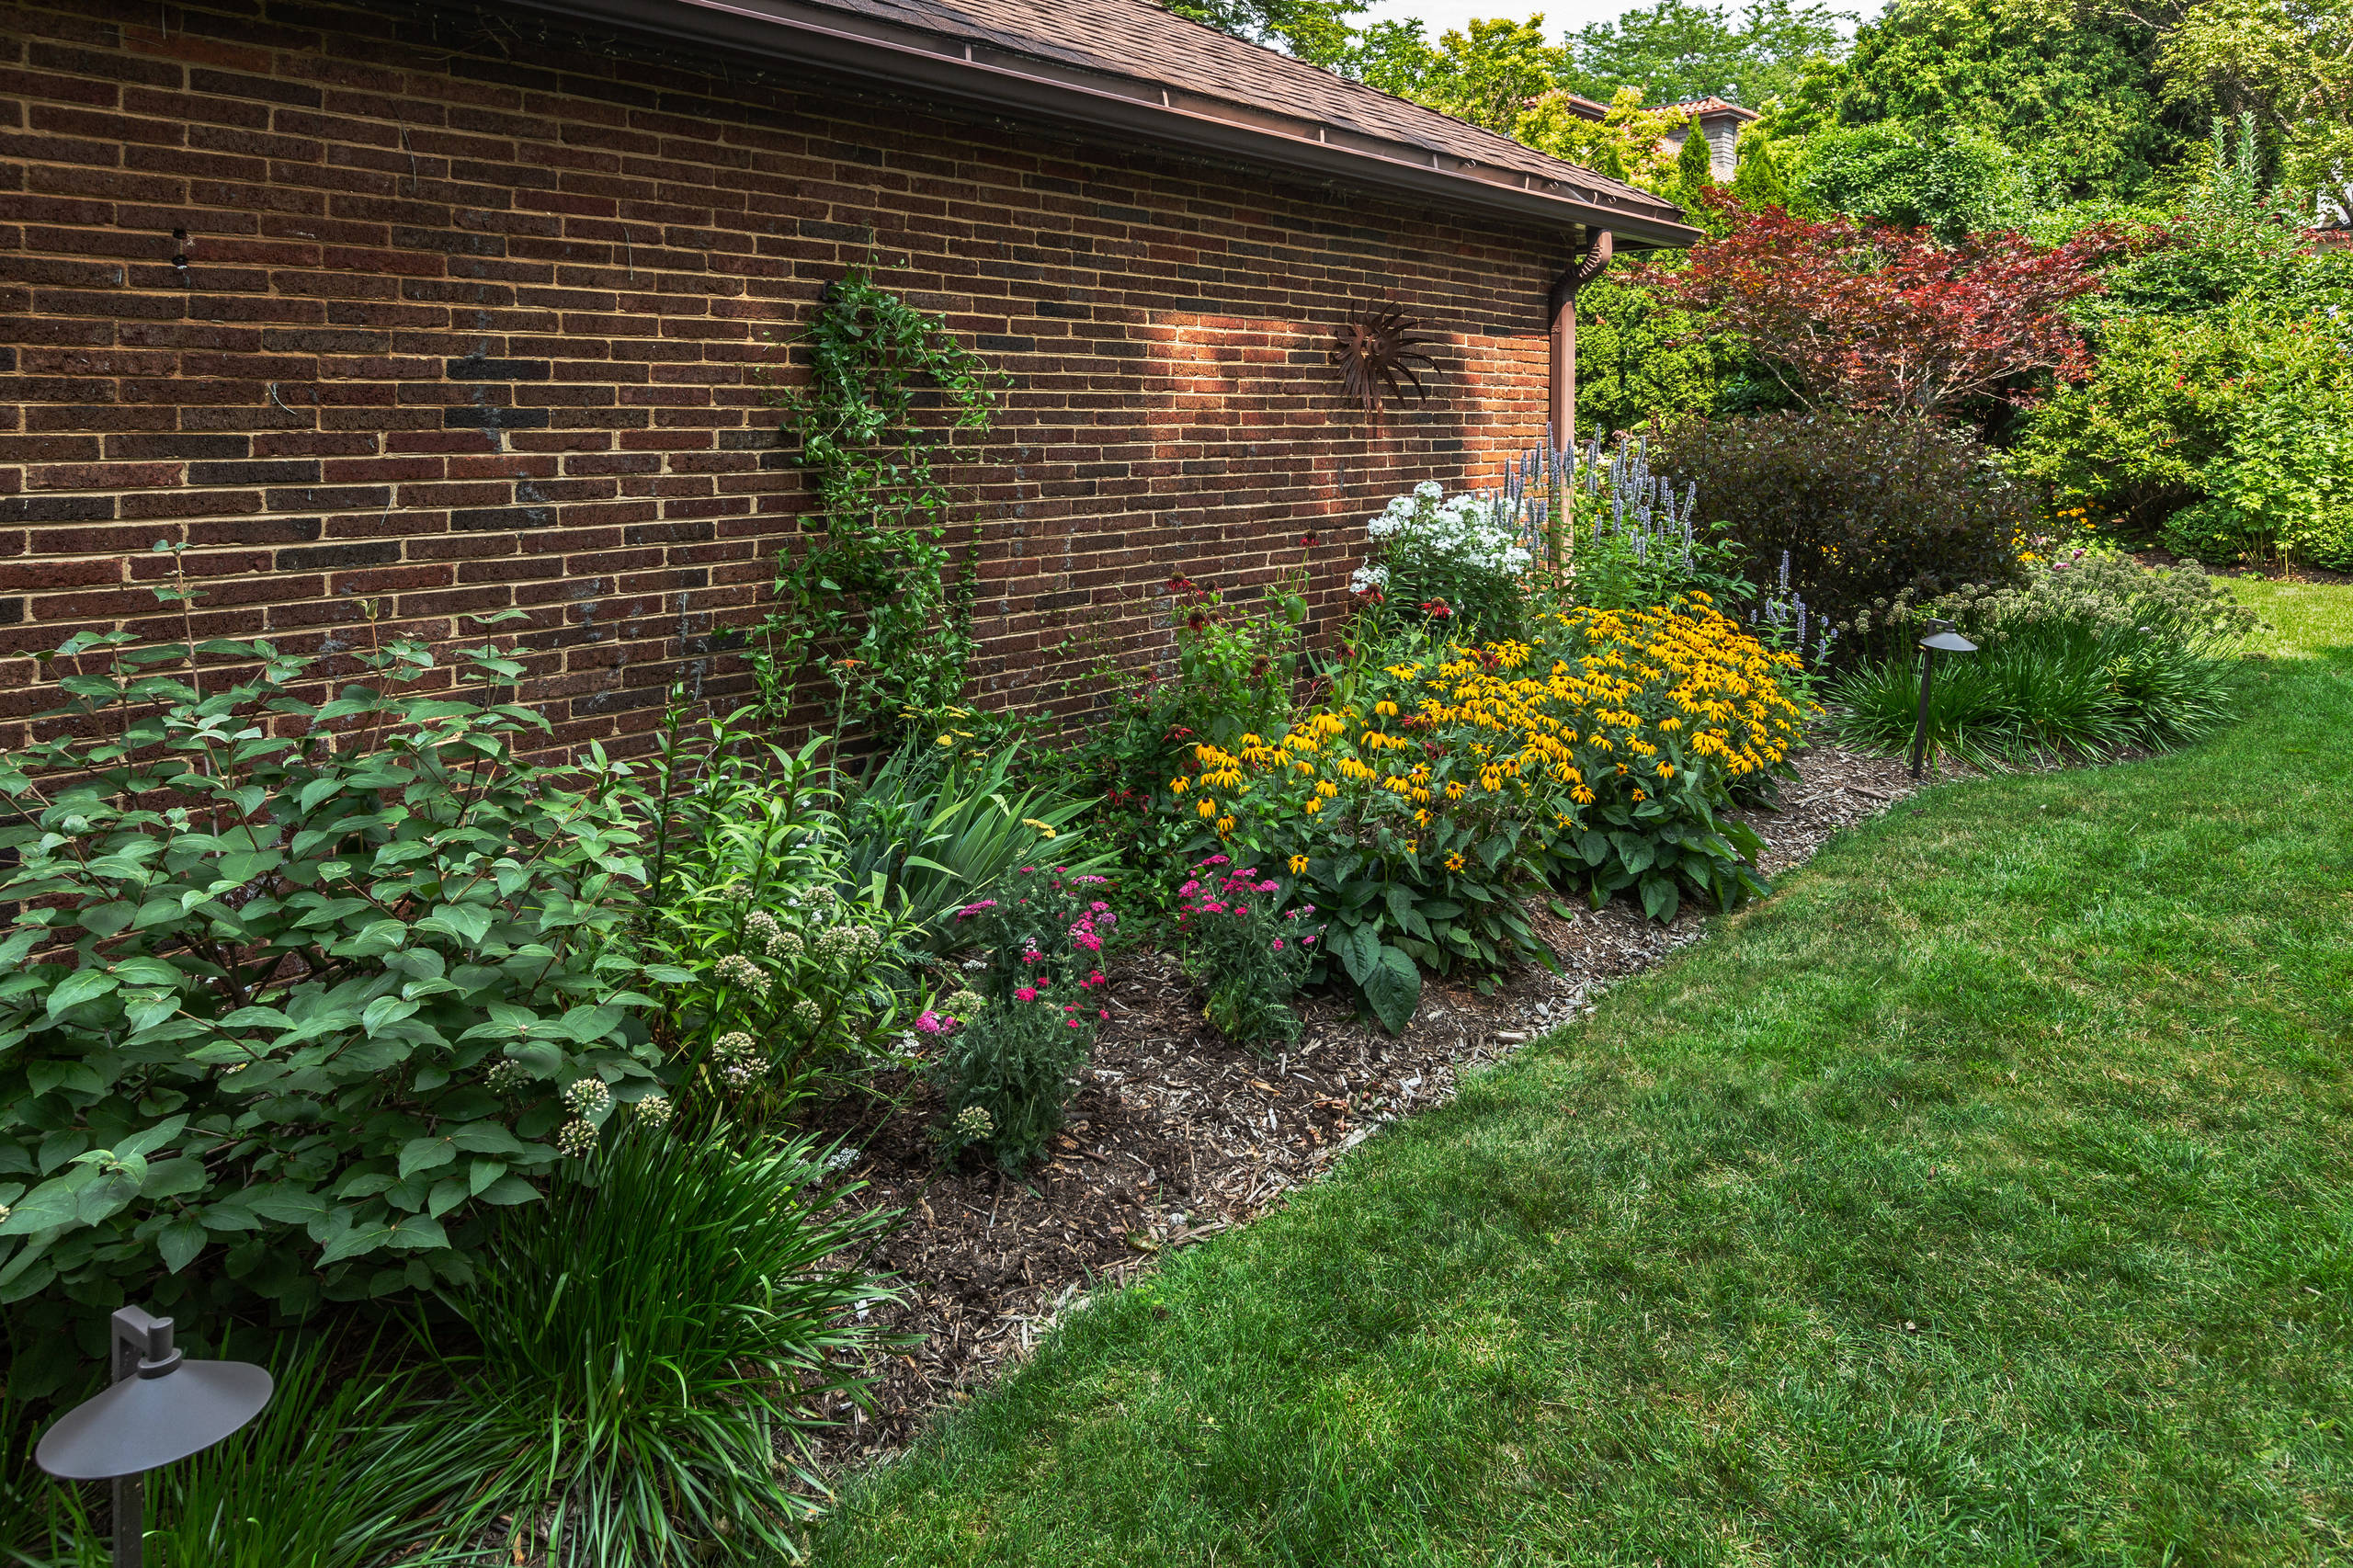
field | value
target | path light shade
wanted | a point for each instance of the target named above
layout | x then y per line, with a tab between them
161	1409
1941	638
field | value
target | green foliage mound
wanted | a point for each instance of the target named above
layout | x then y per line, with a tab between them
1861	506
294	978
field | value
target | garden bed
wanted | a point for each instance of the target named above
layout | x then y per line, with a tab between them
1177	1133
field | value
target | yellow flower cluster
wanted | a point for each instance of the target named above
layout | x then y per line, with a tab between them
1599	707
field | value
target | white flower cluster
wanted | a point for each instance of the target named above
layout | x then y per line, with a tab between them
587	1097
737	969
737	1059
1464	527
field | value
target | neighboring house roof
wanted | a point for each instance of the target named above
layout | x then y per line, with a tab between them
1132	67
1711	106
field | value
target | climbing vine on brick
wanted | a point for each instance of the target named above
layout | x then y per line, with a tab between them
875	597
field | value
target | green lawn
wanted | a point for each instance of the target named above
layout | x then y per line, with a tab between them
1985	1196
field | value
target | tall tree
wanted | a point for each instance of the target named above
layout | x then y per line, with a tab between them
1491	72
1677	49
2069	86
2289	64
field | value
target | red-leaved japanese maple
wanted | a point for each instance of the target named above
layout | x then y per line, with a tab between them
1886	320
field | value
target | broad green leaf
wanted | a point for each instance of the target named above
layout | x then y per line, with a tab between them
588	1024
180	1243
357	1242
510	1189
425	1154
82	986
1394	989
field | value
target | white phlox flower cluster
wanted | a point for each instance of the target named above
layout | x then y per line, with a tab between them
1465	527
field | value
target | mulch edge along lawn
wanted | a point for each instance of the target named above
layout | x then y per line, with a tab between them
1984	1196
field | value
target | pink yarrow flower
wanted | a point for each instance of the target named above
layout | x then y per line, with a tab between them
1026	993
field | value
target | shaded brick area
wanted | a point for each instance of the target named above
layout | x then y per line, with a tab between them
402	307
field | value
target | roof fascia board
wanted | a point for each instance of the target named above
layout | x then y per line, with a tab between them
1026	85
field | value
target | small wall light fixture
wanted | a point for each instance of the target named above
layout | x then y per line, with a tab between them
1941	638
161	1409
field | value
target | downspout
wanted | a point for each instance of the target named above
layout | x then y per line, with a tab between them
1560	307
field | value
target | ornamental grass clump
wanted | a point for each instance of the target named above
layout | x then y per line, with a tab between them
1246	950
2094	656
654	1341
1599	755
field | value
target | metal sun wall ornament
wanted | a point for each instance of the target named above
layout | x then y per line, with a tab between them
1380	346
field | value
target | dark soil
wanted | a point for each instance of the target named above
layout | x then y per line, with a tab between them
1176	1133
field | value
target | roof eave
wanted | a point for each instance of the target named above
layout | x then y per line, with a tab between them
1027	86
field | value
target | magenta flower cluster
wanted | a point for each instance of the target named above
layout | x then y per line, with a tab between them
1230	895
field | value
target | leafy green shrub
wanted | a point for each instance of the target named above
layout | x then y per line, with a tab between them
1948	180
1863	506
1245	950
652	1340
771	978
293	986
2225	434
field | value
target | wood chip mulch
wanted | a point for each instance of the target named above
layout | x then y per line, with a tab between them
1176	1133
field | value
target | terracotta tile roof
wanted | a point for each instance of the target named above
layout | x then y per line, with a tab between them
1130	67
1713	104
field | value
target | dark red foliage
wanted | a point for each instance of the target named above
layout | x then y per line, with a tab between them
1885	319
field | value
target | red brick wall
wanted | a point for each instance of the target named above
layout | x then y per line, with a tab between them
470	320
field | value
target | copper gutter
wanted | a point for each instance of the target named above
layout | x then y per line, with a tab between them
914	60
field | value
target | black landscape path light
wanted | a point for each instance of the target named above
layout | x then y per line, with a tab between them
1941	638
161	1409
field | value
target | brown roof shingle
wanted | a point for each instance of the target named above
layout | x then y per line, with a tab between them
1130	67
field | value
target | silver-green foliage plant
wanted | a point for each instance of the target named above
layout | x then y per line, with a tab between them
657	1340
2095	590
294	981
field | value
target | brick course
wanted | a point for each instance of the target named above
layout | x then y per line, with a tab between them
391	305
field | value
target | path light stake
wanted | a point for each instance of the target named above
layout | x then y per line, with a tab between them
161	1409
1941	638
